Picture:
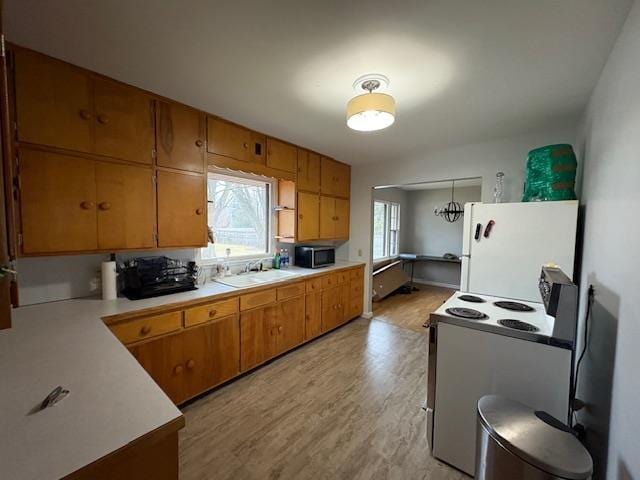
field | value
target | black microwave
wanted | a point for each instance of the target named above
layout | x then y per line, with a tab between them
315	257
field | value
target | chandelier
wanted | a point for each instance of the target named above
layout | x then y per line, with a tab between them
452	211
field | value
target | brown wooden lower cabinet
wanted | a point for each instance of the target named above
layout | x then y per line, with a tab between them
187	361
190	362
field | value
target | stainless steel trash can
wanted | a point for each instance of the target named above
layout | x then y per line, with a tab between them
516	442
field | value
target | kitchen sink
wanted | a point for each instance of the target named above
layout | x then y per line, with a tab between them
255	278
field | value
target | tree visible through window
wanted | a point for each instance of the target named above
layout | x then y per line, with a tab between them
386	228
237	216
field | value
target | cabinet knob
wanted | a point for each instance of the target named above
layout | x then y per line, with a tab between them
199	211
300	216
103	119
86	205
145	330
104	206
212	313
199	143
85	114
245	145
178	369
191	363
280	328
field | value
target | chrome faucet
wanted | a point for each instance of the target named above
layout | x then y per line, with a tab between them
254	265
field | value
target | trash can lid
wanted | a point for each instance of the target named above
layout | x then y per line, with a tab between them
535	437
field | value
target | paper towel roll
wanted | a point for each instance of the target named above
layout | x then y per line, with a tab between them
109	290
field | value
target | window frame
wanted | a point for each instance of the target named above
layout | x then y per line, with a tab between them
248	178
387	230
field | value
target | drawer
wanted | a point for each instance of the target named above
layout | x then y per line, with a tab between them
291	291
356	274
253	300
329	281
314	285
211	311
343	277
147	327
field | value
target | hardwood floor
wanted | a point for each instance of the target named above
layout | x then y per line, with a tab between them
346	406
412	310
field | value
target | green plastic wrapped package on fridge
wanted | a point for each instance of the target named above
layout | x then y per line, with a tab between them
551	174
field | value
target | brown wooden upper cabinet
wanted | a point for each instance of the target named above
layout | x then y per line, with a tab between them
308	216
335	178
233	141
334	218
182	209
180	137
71	204
308	177
62	106
281	155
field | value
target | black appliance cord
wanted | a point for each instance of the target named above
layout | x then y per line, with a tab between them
587	317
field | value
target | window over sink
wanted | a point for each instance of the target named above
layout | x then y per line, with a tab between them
238	217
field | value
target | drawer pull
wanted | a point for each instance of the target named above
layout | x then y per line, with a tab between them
103	119
178	369
104	206
85	114
199	143
145	330
191	363
87	205
212	313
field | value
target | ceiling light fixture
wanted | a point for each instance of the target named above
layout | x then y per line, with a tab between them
372	110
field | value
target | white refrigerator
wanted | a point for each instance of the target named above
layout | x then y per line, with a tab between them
506	244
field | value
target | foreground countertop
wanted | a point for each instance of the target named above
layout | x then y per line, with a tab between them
112	400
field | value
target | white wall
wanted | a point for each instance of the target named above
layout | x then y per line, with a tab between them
477	160
609	140
430	235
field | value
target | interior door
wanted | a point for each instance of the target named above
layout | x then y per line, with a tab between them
524	237
180	142
308	171
182	212
57	202
327	217
124	126
342	218
290	323
125	206
308	216
53	103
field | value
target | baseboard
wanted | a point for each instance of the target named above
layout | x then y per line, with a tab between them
422	281
367	315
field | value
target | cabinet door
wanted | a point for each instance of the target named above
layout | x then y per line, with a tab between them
57	203
331	317
181	210
125	205
328	176
197	359
225	348
227	139
124	122
355	299
342	173
258	332
53	103
308	171
313	315
281	156
180	142
163	360
327	217
308	216
290	323
342	218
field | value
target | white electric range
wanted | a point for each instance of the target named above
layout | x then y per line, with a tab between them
481	345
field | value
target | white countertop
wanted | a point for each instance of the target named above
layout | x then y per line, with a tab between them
112	400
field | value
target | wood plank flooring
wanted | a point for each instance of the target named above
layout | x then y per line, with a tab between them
411	310
346	406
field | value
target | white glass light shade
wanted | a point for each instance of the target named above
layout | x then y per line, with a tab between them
371	111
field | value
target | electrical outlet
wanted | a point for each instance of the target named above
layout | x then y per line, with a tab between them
359	252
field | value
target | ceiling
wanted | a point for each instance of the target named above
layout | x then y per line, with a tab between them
461	70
